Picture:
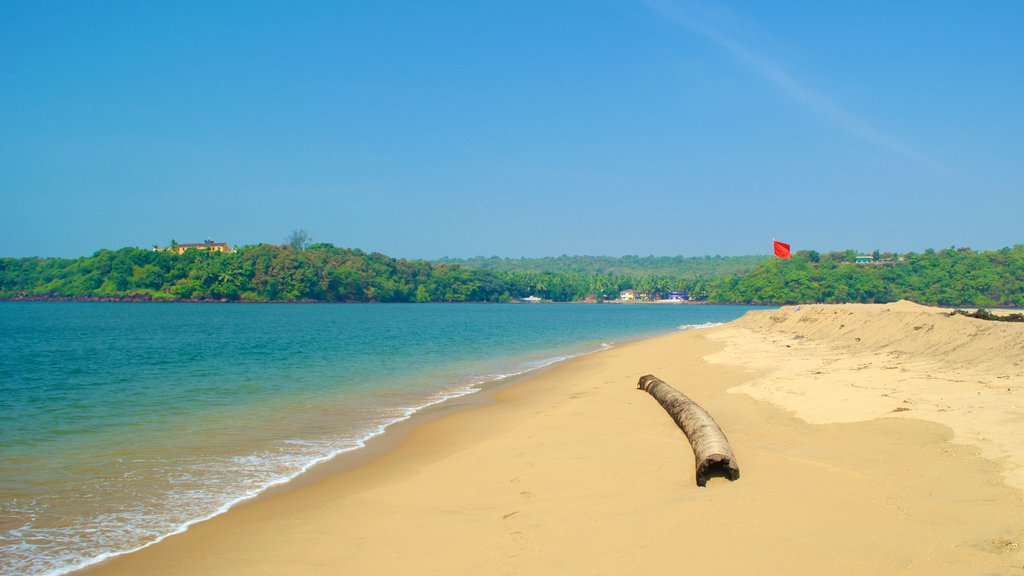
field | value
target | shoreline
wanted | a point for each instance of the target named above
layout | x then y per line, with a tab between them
163	481
372	447
488	393
148	299
572	469
397	432
386	445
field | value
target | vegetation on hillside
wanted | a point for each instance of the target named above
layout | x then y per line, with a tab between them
949	277
633	266
323	272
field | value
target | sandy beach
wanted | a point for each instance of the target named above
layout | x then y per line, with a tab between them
871	439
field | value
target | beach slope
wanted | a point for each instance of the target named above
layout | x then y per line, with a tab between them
864	447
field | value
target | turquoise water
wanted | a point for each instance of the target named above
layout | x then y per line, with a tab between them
123	423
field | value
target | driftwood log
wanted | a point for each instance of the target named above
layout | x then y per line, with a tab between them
711	449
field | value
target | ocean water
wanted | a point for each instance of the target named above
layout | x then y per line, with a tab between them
121	424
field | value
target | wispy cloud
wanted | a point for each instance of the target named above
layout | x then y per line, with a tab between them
698	20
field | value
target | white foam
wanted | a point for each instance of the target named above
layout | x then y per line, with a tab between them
685	327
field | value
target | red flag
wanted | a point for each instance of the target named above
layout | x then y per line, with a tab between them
781	249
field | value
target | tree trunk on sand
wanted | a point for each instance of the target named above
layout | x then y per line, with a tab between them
711	449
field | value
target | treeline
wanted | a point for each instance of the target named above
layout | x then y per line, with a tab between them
632	266
323	272
949	277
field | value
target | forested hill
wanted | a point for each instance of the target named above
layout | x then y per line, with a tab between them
673	266
325	273
321	272
948	277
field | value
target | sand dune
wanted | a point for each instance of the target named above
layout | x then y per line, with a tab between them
854	362
574	471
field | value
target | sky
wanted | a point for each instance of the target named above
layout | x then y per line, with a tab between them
513	129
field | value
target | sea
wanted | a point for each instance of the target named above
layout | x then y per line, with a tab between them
123	423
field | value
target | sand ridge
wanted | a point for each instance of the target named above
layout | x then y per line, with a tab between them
856	362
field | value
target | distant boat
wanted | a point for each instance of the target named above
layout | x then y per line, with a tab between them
530	299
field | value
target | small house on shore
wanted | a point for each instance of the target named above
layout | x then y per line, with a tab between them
208	246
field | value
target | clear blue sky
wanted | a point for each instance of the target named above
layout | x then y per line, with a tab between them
533	128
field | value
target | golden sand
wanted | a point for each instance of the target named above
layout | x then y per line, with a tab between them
860	362
575	471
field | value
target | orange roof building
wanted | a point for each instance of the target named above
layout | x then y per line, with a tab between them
209	246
